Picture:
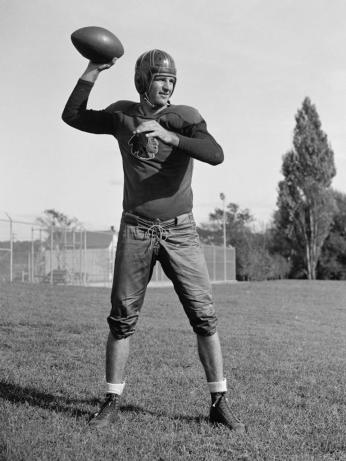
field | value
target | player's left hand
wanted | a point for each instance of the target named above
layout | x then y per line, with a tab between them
151	128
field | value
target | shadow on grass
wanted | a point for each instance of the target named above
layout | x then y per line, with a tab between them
136	409
35	398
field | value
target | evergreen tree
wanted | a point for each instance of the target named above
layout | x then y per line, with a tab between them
305	200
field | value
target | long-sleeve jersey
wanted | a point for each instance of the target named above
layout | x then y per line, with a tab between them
157	176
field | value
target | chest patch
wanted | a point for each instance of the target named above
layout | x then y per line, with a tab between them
142	147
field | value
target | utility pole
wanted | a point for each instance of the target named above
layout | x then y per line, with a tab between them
223	198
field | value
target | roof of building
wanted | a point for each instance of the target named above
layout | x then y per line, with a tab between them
99	239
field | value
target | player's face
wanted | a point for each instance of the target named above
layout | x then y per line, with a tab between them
161	90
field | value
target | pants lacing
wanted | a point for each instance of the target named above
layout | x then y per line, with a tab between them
156	233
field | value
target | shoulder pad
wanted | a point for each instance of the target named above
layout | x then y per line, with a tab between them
188	114
121	106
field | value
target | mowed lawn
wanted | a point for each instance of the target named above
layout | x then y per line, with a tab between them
284	349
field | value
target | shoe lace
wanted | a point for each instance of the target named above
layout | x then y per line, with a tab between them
223	404
107	404
217	400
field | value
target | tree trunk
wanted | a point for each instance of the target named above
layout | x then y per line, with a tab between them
313	244
308	260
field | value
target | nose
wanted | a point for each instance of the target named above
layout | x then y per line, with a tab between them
167	84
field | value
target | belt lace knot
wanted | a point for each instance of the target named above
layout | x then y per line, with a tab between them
157	233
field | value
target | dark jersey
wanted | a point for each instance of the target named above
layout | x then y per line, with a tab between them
157	176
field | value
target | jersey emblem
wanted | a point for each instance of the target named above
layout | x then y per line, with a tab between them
142	147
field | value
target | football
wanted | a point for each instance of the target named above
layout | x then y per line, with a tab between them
97	44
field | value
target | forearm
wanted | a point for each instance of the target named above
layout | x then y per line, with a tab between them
77	102
205	149
90	74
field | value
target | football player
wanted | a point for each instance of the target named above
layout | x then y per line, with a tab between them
158	142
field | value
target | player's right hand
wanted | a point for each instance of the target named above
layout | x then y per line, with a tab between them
93	70
92	66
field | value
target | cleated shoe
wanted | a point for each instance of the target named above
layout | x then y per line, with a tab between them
108	413
220	413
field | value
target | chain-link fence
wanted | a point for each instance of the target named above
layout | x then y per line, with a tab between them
55	255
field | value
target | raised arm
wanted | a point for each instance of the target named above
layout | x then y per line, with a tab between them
76	113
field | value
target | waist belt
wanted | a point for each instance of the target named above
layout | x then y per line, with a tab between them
136	220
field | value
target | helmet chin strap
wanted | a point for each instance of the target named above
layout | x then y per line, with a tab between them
147	100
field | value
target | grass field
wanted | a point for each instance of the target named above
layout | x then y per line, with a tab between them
284	350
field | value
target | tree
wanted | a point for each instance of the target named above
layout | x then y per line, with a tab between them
253	258
52	217
237	225
261	262
332	263
305	200
237	232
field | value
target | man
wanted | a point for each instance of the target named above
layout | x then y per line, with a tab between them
158	142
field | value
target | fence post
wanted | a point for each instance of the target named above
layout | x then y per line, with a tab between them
80	257
223	198
64	258
84	258
51	255
214	263
11	250
11	246
32	256
73	256
29	269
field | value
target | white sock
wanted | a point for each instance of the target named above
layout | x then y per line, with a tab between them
218	386
112	388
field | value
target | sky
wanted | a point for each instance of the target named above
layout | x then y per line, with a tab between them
246	65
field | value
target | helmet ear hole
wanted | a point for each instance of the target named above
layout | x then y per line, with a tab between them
152	63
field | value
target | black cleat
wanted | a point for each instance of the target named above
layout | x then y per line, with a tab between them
108	413
220	413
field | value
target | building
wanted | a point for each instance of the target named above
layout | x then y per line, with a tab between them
81	257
